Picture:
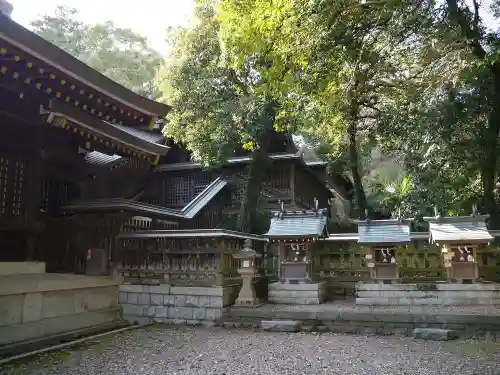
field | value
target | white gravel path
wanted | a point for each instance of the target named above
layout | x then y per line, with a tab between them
216	351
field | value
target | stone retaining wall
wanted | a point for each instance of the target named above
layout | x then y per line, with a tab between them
36	306
165	303
446	294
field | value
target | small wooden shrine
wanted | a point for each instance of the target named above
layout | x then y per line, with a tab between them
459	238
381	239
293	235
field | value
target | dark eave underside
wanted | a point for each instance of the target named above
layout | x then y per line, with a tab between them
60	60
131	138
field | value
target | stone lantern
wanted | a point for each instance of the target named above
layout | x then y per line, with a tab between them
247	270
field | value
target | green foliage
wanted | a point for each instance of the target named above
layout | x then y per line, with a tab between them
417	81
215	109
119	54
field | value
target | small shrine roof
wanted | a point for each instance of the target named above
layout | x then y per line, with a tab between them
384	231
459	229
298	224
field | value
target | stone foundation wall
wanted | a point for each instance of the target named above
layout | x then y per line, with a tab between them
36	306
165	303
428	294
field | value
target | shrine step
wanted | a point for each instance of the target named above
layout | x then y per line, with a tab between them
434	334
281	325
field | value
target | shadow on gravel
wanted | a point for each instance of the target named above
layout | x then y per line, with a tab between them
40	361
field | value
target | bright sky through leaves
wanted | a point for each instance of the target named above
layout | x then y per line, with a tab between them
146	17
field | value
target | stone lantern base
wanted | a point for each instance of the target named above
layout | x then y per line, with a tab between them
247	295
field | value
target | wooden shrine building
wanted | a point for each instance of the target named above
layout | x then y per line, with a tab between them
69	135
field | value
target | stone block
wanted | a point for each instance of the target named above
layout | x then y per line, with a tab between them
131	310
144	299
32	307
11	309
179	300
192	301
281	325
149	311
58	303
434	334
157	299
296	287
180	312
197	291
122	297
294	301
374	301
216	302
132	298
199	313
204	301
168	300
161	312
133	288
294	293
213	314
159	289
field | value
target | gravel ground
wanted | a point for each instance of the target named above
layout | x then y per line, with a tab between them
200	351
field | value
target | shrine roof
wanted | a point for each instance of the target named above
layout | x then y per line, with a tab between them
459	229
298	224
190	233
383	231
142	208
102	159
119	136
62	63
230	161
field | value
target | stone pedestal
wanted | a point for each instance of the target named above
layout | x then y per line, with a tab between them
247	256
297	294
247	295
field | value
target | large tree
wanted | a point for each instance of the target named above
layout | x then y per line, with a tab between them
452	113
216	109
329	63
118	53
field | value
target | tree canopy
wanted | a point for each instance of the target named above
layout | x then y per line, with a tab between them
416	81
118	53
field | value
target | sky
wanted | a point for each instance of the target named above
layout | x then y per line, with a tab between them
149	18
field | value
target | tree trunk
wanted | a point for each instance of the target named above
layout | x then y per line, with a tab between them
490	160
256	178
360	196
